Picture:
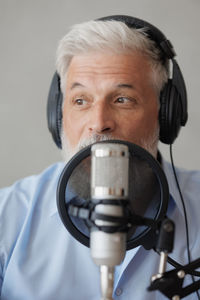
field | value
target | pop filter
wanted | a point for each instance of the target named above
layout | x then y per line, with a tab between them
148	195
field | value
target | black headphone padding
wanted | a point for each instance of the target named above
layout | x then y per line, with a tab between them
54	110
169	128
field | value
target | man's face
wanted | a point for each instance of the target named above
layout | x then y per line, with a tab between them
110	95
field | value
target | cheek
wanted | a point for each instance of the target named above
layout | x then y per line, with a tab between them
150	121
70	125
141	124
73	126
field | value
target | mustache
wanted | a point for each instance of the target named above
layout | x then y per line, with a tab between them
95	138
68	151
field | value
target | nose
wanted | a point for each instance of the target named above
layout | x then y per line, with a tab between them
101	119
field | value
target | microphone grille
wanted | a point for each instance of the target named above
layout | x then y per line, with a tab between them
109	172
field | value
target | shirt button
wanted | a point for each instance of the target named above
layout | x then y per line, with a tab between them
118	291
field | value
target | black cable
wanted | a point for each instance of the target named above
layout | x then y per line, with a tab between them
183	204
185	213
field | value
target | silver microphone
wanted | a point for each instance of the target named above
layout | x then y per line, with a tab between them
109	184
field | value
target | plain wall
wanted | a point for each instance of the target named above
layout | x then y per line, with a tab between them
29	34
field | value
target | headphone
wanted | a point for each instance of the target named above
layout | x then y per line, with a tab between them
173	97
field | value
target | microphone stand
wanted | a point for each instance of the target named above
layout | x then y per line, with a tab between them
107	282
170	283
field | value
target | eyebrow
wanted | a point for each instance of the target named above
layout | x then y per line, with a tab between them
125	85
76	84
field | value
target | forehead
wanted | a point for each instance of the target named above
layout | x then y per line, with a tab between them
108	65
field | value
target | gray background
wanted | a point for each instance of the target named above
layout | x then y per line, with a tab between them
29	34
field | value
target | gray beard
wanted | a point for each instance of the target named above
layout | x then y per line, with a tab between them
149	144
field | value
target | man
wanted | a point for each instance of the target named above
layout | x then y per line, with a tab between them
111	79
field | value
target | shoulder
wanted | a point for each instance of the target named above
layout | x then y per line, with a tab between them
188	180
22	191
187	188
18	201
189	183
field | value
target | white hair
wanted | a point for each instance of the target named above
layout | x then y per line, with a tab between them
109	36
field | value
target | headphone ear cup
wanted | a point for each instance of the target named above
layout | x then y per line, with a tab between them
170	113
54	110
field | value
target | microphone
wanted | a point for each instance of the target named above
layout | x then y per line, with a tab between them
109	193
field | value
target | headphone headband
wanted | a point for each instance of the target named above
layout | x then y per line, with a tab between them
152	32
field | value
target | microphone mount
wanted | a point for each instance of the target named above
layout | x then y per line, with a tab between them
87	213
170	283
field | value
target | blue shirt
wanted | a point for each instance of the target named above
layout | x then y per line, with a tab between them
40	260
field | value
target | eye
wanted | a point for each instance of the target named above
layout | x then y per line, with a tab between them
80	101
126	100
123	100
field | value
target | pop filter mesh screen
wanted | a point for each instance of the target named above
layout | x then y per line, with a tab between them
144	192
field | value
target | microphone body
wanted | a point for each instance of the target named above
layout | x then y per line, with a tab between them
109	189
107	248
